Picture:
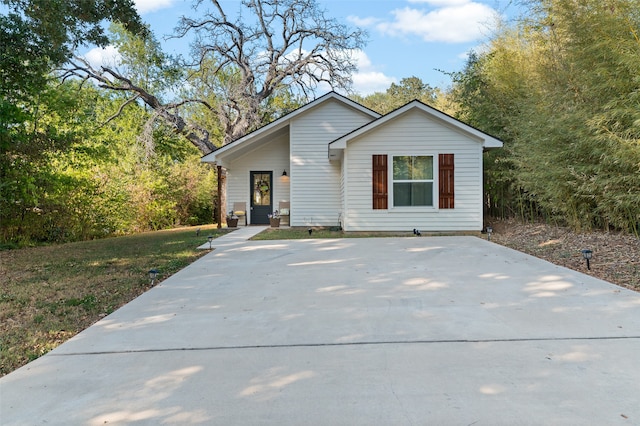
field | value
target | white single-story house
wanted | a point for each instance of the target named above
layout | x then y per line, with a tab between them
338	163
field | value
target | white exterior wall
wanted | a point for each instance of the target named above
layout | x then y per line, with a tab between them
271	156
414	133
343	190
315	181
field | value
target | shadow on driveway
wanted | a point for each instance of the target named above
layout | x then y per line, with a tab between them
440	330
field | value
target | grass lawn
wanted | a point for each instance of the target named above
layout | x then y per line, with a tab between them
49	294
299	233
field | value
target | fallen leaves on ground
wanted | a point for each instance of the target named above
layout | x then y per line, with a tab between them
616	256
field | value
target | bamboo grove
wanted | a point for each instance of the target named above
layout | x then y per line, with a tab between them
561	87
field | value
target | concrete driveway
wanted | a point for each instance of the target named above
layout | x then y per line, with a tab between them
386	331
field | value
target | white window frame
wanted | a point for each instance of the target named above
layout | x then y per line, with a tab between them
434	180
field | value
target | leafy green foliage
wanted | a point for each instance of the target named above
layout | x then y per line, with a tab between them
561	89
61	25
66	178
36	36
409	89
146	65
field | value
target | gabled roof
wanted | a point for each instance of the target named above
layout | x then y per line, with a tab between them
487	140
281	123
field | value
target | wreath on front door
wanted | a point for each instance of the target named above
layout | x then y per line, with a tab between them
262	191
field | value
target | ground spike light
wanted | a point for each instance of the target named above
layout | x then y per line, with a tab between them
210	239
153	274
489	231
586	254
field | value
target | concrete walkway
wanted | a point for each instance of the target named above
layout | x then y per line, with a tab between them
381	331
235	238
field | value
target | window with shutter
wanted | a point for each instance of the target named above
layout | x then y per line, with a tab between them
446	181
413	181
380	192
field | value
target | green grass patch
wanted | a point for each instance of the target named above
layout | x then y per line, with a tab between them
49	294
300	233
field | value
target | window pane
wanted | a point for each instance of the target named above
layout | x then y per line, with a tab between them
422	168
261	189
401	168
413	194
401	194
412	168
422	194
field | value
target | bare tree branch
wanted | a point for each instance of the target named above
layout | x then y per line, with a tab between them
271	44
122	107
111	79
242	62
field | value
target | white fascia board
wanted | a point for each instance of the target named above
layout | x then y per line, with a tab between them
209	158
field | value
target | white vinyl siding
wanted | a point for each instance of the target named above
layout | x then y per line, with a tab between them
272	155
315	181
417	134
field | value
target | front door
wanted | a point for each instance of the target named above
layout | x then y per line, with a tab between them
261	200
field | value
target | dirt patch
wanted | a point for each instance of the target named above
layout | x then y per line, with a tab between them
616	256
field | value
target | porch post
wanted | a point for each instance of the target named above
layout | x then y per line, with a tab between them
219	202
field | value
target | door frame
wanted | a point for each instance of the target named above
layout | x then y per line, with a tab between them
259	219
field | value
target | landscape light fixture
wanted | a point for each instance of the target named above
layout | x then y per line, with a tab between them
210	238
284	173
489	231
586	254
153	274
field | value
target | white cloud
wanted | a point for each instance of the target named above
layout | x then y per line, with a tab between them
451	21
108	56
362	22
145	6
442	2
367	79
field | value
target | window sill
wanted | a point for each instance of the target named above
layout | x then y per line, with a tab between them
416	209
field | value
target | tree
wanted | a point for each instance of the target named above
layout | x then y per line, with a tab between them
281	42
396	95
38	35
269	45
561	88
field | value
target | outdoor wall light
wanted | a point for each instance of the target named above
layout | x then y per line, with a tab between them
210	238
153	274
489	231
586	254
284	173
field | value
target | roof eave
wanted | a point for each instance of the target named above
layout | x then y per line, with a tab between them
488	141
284	121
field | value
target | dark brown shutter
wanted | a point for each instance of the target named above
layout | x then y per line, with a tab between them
379	182
445	178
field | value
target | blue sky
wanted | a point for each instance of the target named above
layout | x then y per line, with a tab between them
406	37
